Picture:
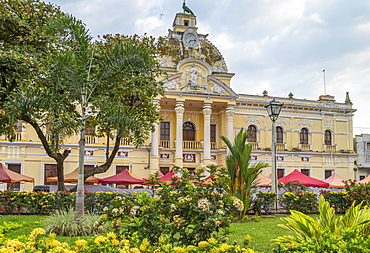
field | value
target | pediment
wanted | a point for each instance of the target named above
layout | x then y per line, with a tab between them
195	76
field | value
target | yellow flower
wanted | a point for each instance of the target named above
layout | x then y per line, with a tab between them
212	240
178	249
190	247
202	244
146	242
16	244
125	242
115	242
134	250
112	235
162	239
52	243
38	231
80	243
99	239
142	247
52	235
224	247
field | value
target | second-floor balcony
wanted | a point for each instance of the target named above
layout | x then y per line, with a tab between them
280	146
330	148
192	145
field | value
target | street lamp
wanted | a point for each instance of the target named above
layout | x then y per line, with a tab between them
273	110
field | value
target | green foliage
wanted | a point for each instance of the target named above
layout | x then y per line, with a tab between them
63	223
263	202
353	192
243	177
327	233
340	201
38	241
305	202
184	212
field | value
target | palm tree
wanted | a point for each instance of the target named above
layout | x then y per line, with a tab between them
243	176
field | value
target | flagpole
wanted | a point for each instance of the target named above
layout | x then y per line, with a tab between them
323	71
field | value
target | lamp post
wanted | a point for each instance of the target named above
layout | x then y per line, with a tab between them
273	110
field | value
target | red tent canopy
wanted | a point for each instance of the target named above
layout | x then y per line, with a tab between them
263	181
335	181
303	179
8	176
72	177
125	177
366	180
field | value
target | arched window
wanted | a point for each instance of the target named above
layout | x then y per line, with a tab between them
252	133
279	135
188	131
303	136
328	140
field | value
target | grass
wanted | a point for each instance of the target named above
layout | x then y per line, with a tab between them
262	232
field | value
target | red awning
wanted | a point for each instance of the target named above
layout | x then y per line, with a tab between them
303	179
124	177
335	181
72	177
9	176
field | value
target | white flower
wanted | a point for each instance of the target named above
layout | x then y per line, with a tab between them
133	210
238	204
204	204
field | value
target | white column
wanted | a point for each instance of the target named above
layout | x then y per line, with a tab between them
207	111
154	154
230	123
179	121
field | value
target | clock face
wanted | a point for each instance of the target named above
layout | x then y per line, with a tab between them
190	40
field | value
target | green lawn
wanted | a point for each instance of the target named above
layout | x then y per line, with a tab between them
262	232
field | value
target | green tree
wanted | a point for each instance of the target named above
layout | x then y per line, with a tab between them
26	42
112	84
243	176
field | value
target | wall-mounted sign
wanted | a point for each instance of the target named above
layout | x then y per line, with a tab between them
89	153
189	158
122	153
165	156
305	159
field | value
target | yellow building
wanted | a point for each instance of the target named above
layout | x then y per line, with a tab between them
313	136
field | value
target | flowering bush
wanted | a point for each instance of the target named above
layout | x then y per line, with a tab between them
263	202
186	212
338	200
39	242
305	202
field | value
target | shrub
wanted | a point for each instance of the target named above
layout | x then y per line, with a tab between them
38	241
63	223
186	212
337	200
327	233
305	202
263	202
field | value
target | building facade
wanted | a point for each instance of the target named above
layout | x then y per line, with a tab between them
362	148
199	105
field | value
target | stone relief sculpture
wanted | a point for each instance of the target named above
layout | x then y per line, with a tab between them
171	85
216	89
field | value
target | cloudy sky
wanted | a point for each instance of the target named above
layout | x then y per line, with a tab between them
279	46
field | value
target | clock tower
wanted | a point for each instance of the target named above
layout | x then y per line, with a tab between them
185	42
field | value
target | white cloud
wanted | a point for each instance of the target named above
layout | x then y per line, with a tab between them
279	46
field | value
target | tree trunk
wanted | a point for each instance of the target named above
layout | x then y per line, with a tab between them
80	193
